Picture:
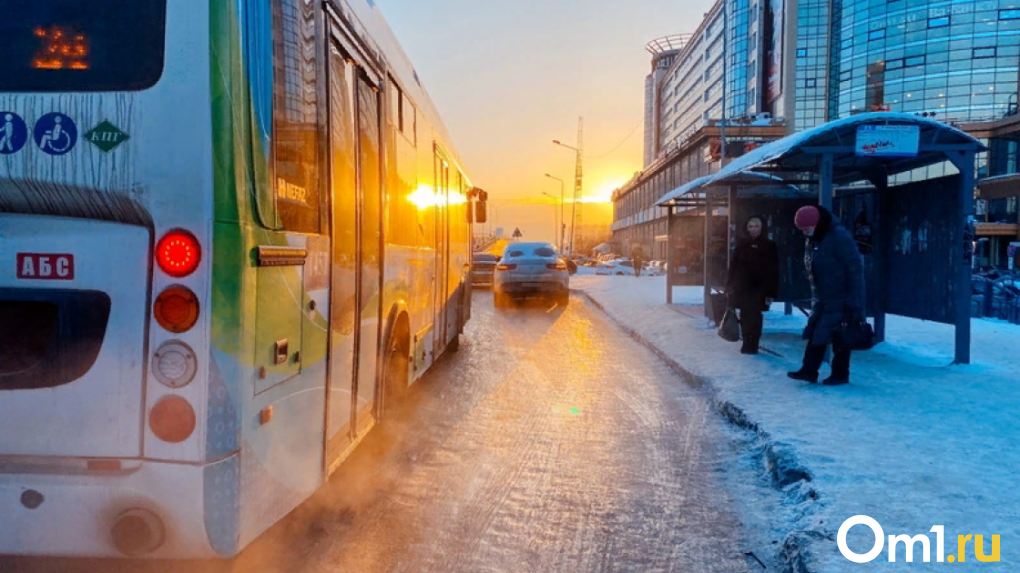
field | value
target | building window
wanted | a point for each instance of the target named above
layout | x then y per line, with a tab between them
940	22
801	52
914	61
708	94
846	43
876	34
845	75
1011	14
708	74
894	64
983	53
810	83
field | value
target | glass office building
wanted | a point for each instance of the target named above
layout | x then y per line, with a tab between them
956	61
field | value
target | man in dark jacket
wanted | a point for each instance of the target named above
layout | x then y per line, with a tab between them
753	280
637	258
836	271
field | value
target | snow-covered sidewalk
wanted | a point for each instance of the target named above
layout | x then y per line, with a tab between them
911	442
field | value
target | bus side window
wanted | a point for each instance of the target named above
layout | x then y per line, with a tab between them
410	121
296	133
396	97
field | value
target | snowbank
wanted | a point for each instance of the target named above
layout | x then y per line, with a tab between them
912	442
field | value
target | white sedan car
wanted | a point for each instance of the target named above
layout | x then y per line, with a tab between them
531	270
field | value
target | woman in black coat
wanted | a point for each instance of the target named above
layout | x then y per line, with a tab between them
836	271
753	280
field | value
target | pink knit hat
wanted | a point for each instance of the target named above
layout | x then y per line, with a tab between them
807	217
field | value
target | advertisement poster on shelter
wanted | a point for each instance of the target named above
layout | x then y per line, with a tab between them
888	140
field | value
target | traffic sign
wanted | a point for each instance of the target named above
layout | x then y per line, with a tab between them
517	233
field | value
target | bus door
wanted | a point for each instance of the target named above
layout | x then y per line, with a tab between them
370	171
354	135
442	253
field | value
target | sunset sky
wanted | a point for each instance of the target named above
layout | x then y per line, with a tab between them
509	77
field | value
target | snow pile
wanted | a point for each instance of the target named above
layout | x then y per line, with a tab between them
912	442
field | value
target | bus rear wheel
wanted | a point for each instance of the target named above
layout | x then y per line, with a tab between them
396	367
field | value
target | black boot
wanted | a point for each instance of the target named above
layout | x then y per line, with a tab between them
835	381
750	345
804	375
840	369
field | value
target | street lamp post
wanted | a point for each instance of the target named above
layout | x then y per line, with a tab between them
563	226
556	221
578	176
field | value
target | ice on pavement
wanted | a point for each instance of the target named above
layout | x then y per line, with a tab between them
912	442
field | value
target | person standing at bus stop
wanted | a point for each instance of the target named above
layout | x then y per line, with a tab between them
836	271
753	281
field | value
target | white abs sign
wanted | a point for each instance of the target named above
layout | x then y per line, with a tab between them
45	267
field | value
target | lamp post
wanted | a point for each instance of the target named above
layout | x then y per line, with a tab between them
556	221
563	226
578	176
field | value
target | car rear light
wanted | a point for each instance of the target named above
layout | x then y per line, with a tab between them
178	253
174	364
506	267
560	266
176	309
172	419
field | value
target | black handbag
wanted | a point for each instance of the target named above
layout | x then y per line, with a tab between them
729	328
854	334
719	306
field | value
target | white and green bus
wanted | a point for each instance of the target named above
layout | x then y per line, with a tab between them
229	230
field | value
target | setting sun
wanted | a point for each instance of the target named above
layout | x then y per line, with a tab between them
603	192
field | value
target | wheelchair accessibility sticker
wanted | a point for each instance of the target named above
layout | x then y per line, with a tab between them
55	133
13	133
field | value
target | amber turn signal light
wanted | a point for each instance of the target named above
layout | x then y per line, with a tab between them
176	309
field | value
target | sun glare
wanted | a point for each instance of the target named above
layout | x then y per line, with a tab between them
425	197
603	192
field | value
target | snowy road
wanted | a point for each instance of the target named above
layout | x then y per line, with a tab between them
550	443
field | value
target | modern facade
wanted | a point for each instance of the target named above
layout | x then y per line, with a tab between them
806	62
686	89
664	52
998	215
954	61
694	78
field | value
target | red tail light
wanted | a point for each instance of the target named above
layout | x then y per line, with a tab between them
178	253
506	267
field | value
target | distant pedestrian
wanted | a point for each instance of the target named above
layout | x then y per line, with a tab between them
753	281
836	271
637	258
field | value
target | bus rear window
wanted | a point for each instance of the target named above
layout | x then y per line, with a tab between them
81	45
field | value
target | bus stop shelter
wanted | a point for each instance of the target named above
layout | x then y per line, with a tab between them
918	260
728	205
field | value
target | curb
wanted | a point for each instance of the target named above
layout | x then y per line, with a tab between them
780	461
